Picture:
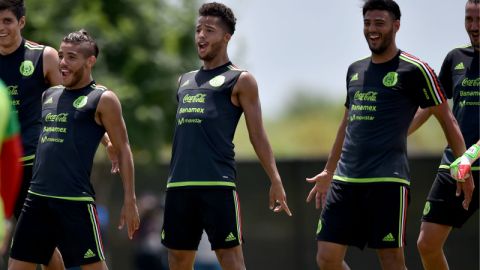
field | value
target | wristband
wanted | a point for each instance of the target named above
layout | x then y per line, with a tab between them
472	153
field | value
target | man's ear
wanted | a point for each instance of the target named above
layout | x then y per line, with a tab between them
91	60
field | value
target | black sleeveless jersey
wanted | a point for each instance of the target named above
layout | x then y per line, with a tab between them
67	143
382	100
203	151
460	76
22	72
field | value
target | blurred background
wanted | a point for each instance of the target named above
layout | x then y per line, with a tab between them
299	53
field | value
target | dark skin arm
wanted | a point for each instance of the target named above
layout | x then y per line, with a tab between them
245	95
455	140
109	115
322	180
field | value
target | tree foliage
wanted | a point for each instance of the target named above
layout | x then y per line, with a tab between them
144	47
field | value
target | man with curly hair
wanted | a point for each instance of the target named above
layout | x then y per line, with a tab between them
201	186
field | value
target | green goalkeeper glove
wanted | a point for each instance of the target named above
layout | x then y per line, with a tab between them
460	168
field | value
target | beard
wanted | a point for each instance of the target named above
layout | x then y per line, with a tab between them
75	78
383	45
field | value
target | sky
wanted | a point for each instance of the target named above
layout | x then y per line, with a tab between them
308	45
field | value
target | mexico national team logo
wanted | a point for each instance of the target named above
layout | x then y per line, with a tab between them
80	102
27	68
217	81
390	79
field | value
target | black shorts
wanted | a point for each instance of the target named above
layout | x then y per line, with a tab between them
190	211
365	214
46	223
22	194
443	206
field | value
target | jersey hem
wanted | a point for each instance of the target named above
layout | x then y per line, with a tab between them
78	199
371	180
201	184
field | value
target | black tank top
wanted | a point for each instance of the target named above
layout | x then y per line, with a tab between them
67	144
22	72
203	151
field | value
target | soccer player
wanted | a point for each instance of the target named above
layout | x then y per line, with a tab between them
367	199
10	153
59	209
27	69
201	185
446	208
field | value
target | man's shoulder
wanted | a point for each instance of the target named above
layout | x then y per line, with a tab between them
411	62
34	46
460	51
360	62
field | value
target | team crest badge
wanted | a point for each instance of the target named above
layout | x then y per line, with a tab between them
390	79
426	209
217	81
80	102
27	68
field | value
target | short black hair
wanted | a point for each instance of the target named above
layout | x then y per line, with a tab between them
476	2
219	10
80	37
387	5
17	7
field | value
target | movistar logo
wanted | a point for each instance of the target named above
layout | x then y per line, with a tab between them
198	98
163	234
27	68
185	83
426	209
80	102
49	101
230	237
462	103
388	238
217	81
390	79
89	254
354	77
459	66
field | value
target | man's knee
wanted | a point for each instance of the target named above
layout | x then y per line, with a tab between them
180	259
392	258
231	258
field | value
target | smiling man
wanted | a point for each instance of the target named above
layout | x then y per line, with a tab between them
59	209
368	197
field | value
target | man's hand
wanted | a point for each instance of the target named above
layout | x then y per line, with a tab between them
129	216
319	191
277	196
467	188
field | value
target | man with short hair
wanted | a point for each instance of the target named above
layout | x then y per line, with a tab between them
446	208
367	200
59	209
201	193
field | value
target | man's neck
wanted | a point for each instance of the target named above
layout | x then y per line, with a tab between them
216	62
385	56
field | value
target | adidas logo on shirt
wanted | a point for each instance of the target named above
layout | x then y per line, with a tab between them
354	77
49	101
89	254
388	238
230	237
459	66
